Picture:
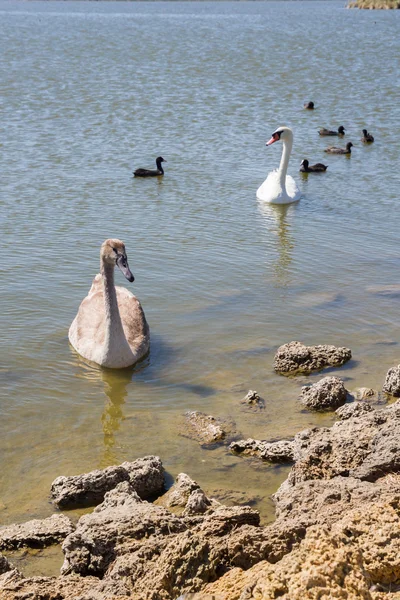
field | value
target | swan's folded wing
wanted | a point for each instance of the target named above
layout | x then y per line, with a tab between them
134	321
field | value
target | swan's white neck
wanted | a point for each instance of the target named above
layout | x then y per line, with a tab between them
115	343
283	166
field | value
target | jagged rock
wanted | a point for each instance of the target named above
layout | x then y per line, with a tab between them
276	452
162	569
176	497
325	501
365	447
185	496
253	400
392	382
197	503
145	474
5	565
295	357
37	533
123	518
355	409
14	586
205	429
327	394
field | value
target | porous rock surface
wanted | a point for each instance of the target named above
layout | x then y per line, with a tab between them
37	533
392	382
146	475
327	394
185	497
276	452
295	357
336	534
355	409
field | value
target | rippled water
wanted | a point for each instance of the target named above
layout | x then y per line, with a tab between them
90	91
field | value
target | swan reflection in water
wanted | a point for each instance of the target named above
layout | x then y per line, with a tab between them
116	388
276	219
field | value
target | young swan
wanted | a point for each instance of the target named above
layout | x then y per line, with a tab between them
110	328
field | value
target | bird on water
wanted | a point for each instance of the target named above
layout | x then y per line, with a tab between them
367	137
305	167
151	172
335	150
324	131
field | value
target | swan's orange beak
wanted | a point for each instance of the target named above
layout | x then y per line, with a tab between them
275	138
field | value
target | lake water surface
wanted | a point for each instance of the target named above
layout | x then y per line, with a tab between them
91	91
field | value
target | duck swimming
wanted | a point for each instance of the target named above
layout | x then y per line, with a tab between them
309	105
317	168
151	172
324	131
334	150
367	137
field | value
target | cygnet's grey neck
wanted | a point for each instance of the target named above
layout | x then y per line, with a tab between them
114	331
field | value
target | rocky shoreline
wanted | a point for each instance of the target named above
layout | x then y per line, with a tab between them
374	4
336	533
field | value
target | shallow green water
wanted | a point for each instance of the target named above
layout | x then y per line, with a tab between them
91	91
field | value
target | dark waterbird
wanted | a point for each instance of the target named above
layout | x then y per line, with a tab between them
367	137
151	172
305	167
309	105
324	131
334	150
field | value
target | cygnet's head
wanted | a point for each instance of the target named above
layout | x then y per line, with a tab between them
349	145
341	129
160	159
113	253
365	132
282	133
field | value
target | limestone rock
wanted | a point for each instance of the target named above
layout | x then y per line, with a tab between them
5	565
37	533
365	447
327	394
276	452
295	357
253	400
123	518
392	382
145	474
355	409
205	429
185	496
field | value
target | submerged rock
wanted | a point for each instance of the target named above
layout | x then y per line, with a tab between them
146	475
205	429
295	357
37	533
327	394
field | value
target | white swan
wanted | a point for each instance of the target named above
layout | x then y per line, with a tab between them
280	188
110	328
